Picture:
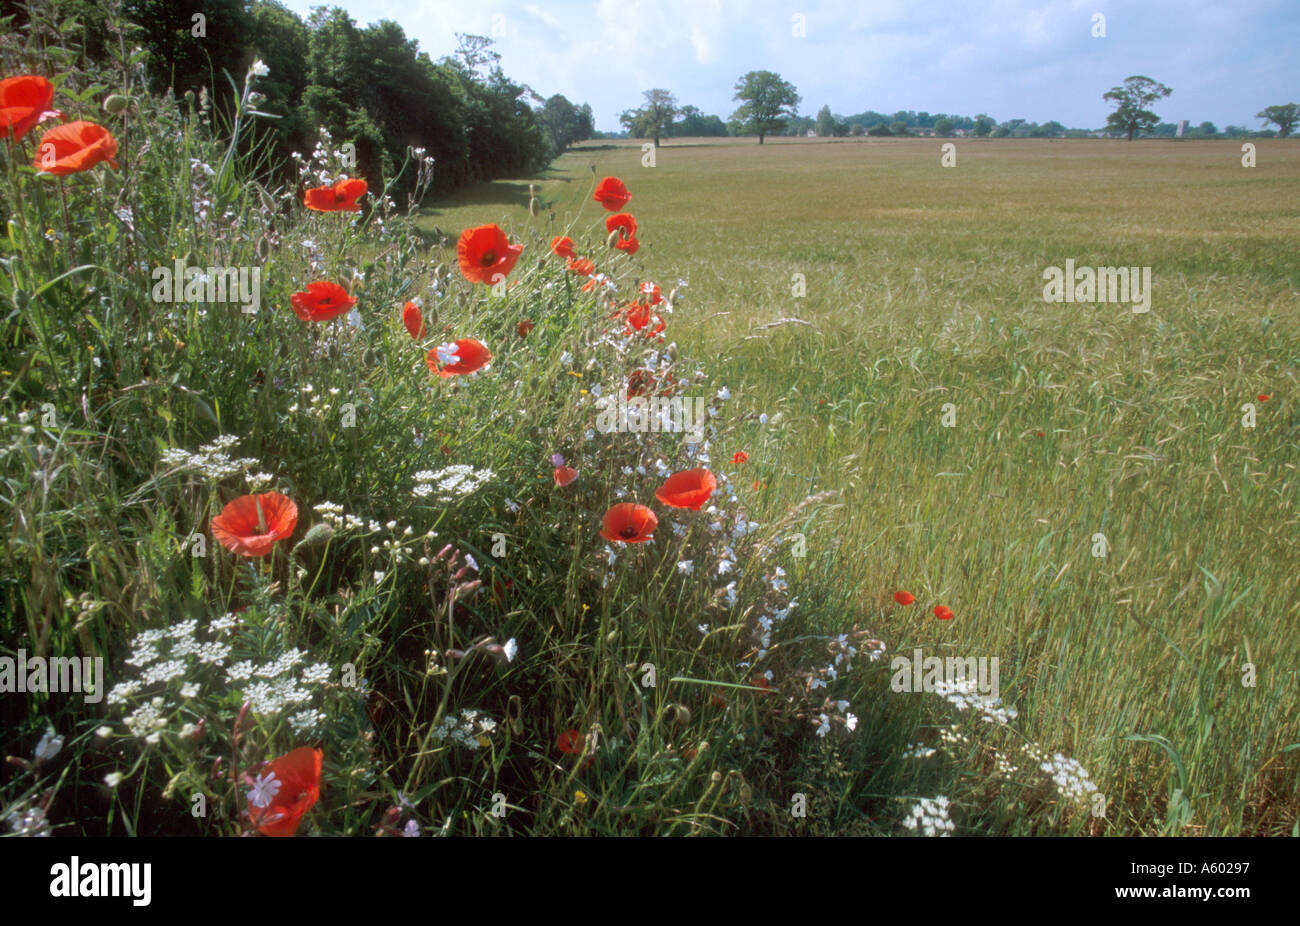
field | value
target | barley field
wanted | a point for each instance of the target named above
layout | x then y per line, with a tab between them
851	289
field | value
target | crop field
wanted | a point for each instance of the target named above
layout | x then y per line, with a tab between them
1099	509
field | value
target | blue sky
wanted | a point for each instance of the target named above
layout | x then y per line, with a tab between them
1225	59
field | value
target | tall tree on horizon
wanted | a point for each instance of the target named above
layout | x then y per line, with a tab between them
767	102
654	119
1285	116
1131	114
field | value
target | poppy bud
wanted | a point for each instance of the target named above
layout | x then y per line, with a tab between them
320	533
612	239
681	714
116	103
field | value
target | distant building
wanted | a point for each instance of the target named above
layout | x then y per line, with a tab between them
811	133
960	133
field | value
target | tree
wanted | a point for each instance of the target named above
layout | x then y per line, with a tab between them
655	118
1285	116
565	123
768	101
1208	129
879	130
943	126
898	127
694	123
983	125
1131	115
825	122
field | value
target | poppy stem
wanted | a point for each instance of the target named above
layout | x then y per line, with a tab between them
67	226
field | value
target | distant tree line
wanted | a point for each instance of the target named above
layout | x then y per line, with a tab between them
769	107
370	86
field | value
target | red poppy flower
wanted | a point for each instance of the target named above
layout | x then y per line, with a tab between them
524	327
564	475
612	194
251	523
943	612
486	254
637	315
570	742
628	522
1262	397
625	225
740	457
904	598
297	775
690	488
583	266
639	382
628	245
639	318
24	101
458	357
77	146
413	320
562	245
321	302
652	290
341	197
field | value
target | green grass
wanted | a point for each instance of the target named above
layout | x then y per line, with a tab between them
924	285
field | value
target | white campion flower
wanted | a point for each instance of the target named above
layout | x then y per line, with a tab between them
259	68
49	745
448	354
511	649
264	790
